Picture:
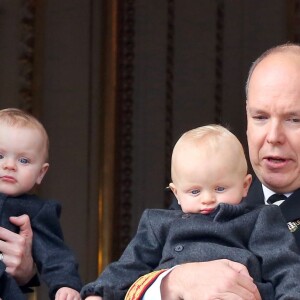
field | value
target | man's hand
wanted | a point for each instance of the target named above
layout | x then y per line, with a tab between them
219	279
16	249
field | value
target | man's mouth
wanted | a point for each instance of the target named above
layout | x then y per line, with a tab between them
275	162
276	159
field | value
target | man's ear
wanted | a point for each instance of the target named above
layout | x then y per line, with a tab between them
42	173
247	183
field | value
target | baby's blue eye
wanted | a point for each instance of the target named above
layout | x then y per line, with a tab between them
220	189
24	160
195	192
1	156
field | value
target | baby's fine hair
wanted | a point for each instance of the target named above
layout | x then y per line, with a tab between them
215	136
213	132
18	118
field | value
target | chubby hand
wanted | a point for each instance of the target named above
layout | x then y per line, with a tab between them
219	279
66	293
16	250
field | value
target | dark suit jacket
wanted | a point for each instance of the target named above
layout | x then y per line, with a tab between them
55	262
257	238
289	208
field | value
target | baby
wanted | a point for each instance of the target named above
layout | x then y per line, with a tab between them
23	164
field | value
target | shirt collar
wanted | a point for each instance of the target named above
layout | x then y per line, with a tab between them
268	193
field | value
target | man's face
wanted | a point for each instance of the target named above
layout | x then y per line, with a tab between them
273	114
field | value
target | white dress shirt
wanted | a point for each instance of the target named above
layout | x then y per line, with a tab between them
153	292
268	193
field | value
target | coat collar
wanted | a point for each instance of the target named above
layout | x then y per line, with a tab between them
289	208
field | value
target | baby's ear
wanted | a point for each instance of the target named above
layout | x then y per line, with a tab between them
172	187
247	183
42	173
174	190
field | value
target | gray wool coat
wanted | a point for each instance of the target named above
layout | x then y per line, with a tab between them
55	262
257	237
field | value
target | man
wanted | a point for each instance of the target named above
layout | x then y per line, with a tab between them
273	115
273	132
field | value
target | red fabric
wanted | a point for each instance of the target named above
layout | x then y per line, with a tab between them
140	286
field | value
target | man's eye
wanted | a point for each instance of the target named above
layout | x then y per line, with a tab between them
24	160
259	117
220	189
294	120
195	192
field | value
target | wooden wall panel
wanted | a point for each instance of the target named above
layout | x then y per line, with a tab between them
189	67
50	55
71	111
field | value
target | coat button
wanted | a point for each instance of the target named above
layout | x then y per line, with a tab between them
178	248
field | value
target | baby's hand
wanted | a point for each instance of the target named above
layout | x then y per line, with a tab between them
66	293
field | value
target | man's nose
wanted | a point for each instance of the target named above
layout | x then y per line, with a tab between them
275	134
